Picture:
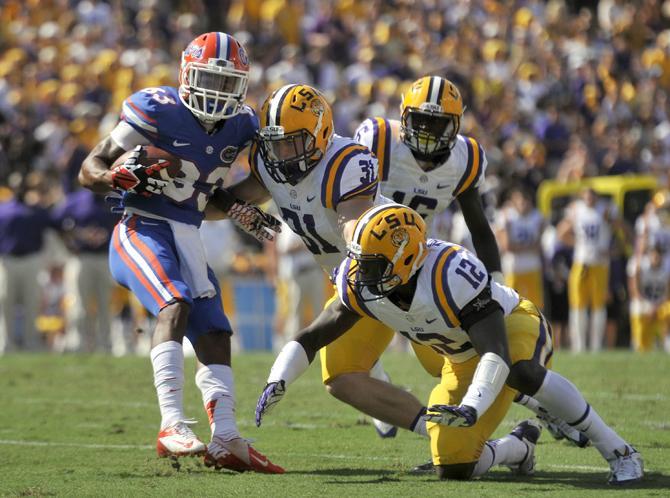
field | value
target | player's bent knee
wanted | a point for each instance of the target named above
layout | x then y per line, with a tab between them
526	376
176	310
345	386
456	471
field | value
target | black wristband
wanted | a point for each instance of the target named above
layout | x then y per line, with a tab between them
223	199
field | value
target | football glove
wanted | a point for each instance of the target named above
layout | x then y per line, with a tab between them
253	220
454	416
136	178
271	395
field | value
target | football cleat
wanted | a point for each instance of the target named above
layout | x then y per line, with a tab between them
424	468
560	429
626	467
384	430
238	455
179	440
528	432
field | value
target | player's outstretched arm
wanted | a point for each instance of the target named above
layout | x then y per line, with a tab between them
95	173
250	190
483	237
297	355
253	220
483	320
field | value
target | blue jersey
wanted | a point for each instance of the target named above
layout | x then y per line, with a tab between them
159	115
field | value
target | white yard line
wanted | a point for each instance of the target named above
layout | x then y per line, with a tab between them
18	442
325	456
89	402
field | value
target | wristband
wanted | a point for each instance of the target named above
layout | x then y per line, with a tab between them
290	364
488	381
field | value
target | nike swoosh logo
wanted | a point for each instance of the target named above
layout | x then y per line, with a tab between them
177	143
440	186
185	445
262	463
430	321
310	199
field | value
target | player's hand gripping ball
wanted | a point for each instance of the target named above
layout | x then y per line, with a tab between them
145	170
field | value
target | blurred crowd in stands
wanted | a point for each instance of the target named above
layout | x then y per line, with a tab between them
554	89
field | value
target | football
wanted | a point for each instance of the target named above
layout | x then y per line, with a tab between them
151	155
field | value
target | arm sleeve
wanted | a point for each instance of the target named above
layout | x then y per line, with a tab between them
479	308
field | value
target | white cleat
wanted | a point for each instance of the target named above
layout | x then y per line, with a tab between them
626	467
384	430
179	440
528	432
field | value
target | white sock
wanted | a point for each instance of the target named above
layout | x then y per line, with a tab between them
377	371
508	450
578	326
529	403
418	426
562	399
218	394
167	360
598	325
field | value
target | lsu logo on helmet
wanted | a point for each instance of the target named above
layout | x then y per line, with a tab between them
431	114
388	247
295	131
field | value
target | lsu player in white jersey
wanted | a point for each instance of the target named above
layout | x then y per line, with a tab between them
652	228
648	282
587	226
494	342
425	164
321	183
519	229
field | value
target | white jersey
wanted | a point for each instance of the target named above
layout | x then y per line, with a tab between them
347	170
656	232
450	278
593	234
652	281
523	230
403	180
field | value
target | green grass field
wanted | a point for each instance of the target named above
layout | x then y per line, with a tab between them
86	426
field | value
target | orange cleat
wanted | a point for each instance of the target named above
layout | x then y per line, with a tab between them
238	455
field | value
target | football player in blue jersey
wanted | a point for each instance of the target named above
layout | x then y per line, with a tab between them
494	342
156	250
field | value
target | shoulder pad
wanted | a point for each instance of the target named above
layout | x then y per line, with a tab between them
474	167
